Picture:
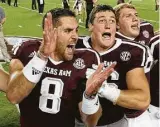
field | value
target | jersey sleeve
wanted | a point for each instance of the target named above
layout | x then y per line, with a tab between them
146	33
145	25
26	50
137	55
154	47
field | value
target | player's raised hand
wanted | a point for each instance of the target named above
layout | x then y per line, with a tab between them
49	36
97	78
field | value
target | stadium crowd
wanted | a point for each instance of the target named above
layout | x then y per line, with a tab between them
107	79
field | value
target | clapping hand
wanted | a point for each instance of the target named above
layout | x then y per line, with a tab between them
49	36
96	80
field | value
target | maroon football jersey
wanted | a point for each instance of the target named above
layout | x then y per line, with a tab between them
53	101
154	46
146	33
128	55
154	74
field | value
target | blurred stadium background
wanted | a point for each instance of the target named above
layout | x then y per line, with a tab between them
23	21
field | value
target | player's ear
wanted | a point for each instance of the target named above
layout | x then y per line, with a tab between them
117	26
90	27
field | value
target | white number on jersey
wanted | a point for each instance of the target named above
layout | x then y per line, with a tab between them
149	61
114	76
54	97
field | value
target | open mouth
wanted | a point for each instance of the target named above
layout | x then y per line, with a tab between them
71	46
106	35
135	26
70	49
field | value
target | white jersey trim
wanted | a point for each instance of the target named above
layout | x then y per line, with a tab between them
117	44
85	42
125	36
140	46
91	50
55	62
153	45
144	24
87	45
155	37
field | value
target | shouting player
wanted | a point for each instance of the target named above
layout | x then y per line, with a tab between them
51	85
127	88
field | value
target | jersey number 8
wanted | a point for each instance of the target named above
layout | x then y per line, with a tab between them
54	97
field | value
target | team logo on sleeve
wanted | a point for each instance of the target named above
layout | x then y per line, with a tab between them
125	56
146	34
79	63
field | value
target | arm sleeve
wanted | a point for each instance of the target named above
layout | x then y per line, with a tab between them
138	58
26	51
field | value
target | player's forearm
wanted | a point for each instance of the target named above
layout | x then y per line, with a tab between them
90	110
23	81
92	120
19	88
134	99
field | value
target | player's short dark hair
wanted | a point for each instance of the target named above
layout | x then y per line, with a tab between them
99	8
58	13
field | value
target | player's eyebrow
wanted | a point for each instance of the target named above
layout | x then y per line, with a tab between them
113	17
105	17
71	29
100	17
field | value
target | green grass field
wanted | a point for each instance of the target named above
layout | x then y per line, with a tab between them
22	21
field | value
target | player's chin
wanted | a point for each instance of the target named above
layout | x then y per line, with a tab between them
135	33
68	57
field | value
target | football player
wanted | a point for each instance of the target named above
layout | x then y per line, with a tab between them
120	1
78	5
128	24
127	88
65	4
52	85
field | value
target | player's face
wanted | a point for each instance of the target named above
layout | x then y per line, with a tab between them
103	30
67	38
129	22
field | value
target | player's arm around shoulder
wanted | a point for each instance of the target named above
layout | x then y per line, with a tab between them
18	85
137	94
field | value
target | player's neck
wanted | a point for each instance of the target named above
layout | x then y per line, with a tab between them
55	57
99	48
